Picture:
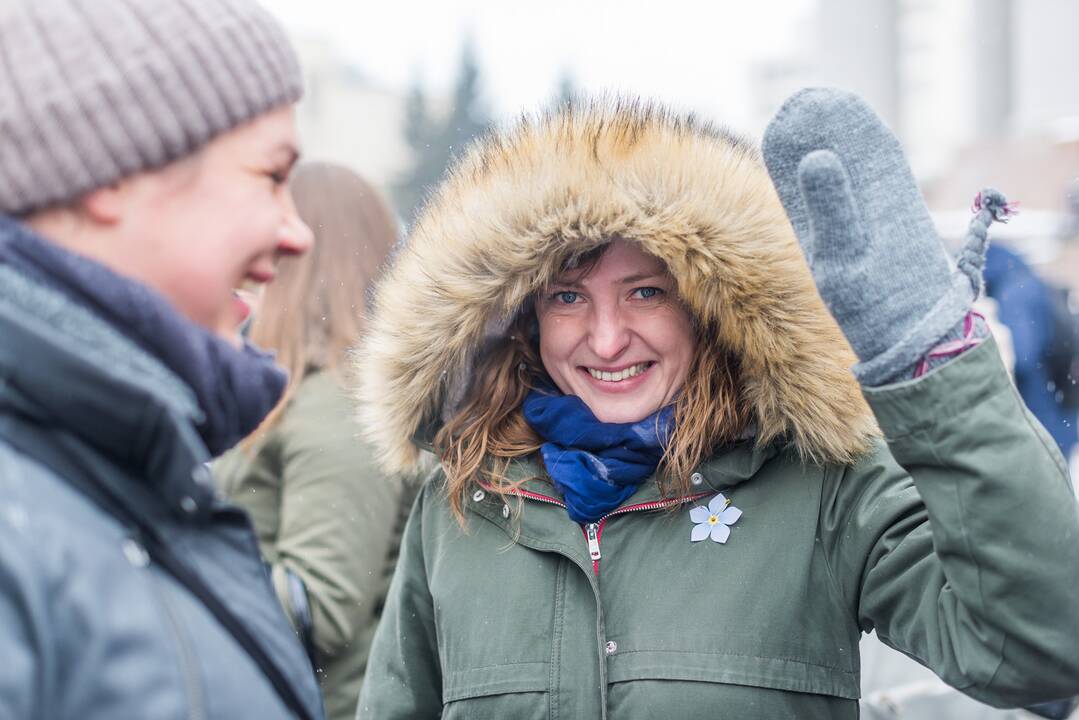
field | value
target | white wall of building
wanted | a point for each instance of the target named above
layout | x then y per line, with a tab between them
345	118
1045	66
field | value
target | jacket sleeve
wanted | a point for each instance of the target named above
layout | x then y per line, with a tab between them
404	678
960	546
336	520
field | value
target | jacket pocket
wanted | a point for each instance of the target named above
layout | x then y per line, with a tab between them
696	684
770	672
517	690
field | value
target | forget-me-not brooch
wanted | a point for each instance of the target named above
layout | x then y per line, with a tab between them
714	521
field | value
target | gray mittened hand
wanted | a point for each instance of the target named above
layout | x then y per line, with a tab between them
871	245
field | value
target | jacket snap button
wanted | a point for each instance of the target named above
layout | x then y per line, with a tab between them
479	495
611	647
505	511
201	475
135	553
188	504
696	478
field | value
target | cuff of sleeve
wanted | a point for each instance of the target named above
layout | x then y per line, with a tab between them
946	391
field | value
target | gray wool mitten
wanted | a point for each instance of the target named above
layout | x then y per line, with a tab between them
871	245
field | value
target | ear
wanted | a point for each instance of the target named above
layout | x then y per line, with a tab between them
106	205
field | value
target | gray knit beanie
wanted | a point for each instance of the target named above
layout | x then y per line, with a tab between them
94	90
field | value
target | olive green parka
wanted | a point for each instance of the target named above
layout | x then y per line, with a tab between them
935	511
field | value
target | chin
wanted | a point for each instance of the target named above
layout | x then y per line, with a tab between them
621	414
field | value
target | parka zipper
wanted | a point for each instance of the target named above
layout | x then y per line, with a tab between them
593	532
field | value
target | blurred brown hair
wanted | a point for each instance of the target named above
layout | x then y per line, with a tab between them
314	310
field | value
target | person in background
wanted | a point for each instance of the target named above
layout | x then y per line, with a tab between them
323	512
1025	307
145	150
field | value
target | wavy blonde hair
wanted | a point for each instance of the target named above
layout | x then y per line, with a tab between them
489	430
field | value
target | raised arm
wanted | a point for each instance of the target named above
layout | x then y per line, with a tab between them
960	546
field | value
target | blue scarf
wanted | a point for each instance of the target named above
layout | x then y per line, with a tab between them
597	466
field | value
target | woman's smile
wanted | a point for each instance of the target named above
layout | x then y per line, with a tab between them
621	380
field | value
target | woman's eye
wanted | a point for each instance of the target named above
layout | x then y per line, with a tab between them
278	177
566	297
647	292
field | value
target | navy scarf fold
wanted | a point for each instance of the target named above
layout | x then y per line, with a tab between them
597	466
235	388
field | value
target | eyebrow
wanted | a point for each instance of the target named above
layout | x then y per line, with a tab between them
290	150
629	279
641	276
570	285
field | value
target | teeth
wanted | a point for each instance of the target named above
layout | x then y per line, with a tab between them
629	372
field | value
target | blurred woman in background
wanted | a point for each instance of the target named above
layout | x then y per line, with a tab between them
323	514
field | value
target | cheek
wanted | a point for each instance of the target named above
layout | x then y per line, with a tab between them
200	239
198	266
246	219
679	342
231	236
201	286
558	336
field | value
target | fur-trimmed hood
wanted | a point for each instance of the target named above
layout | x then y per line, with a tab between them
525	200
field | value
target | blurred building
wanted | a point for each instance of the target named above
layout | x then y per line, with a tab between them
853	44
858	46
954	62
980	92
346	118
944	74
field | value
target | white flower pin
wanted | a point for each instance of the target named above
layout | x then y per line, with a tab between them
714	521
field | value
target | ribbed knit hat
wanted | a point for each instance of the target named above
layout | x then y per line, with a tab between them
94	90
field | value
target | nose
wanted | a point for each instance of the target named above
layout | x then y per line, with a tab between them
293	236
609	335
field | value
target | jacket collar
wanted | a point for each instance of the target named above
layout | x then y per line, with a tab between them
730	466
66	368
233	390
537	521
141	432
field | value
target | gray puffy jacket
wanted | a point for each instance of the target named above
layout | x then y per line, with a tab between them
92	625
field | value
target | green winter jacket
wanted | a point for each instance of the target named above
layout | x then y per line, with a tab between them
766	625
956	537
324	512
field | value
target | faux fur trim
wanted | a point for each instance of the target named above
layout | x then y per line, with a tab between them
523	201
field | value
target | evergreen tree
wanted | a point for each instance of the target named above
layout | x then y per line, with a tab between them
436	141
567	90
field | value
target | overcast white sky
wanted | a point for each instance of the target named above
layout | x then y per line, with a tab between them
694	54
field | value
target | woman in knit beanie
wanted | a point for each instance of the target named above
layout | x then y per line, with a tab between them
145	148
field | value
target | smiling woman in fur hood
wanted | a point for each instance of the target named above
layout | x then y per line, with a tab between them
662	489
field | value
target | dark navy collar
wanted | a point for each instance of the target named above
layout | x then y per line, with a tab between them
233	389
